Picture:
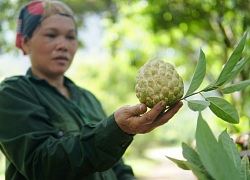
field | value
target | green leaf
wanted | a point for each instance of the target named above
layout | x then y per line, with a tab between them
180	163
206	146
232	75
198	105
210	87
238	68
223	109
191	155
200	172
232	67
195	163
236	87
212	154
245	174
226	72
200	72
230	148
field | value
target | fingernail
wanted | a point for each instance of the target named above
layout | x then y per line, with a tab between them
140	107
163	104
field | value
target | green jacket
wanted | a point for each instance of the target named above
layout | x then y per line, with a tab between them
46	136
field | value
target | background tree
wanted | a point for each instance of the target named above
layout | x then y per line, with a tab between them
175	30
10	10
135	31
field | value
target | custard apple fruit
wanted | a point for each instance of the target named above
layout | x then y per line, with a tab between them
158	80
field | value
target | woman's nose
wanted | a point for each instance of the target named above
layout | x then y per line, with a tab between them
62	44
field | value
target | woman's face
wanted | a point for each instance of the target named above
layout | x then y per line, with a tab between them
52	46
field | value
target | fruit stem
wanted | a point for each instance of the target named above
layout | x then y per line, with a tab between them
190	95
184	98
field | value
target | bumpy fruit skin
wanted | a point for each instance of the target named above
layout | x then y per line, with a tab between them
158	80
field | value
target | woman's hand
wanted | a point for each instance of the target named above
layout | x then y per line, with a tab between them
132	120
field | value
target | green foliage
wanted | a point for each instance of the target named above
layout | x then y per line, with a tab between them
223	109
194	162
212	155
245	168
180	163
144	30
216	159
135	31
238	68
10	10
199	74
236	87
198	105
213	159
174	31
219	106
228	70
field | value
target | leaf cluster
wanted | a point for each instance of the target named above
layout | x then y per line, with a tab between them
216	159
213	159
219	106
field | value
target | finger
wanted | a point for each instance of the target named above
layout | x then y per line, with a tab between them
174	109
143	108
151	115
139	109
136	110
164	118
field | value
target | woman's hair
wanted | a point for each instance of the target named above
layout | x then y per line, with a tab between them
55	7
35	12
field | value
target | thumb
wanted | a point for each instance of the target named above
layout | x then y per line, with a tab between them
126	112
139	109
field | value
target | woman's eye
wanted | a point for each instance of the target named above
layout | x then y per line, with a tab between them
51	35
71	37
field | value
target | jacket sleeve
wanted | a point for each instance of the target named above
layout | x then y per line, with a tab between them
123	171
39	151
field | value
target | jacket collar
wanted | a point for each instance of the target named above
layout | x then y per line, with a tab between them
67	82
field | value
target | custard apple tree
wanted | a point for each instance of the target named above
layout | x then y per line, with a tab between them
219	106
212	159
157	81
216	159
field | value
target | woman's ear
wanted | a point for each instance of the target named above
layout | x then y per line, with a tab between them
25	45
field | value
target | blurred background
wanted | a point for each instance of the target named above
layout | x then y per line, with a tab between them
117	37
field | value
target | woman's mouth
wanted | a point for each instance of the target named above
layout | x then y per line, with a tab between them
61	58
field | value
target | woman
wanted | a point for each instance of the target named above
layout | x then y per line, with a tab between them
49	127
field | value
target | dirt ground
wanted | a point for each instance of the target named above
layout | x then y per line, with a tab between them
167	170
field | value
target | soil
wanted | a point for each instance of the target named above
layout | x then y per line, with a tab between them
168	170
